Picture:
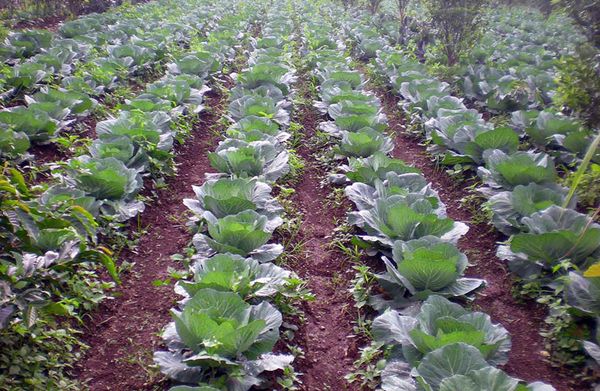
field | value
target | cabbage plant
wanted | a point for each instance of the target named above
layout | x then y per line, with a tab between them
353	107
267	73
475	145
352	79
178	91
441	323
26	76
36	121
266	107
267	91
334	94
363	143
245	234
109	181
375	167
234	273
552	235
77	103
219	337
583	292
13	144
365	196
151	131
417	92
520	168
199	63
121	148
26	43
354	123
262	124
509	207
227	196
424	267
256	159
457	366
405	219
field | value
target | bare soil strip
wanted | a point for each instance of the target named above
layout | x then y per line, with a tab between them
123	333
326	334
523	320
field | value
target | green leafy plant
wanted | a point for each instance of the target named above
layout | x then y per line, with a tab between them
553	235
441	323
256	159
397	219
244	276
521	168
245	233
218	335
368	170
225	196
424	267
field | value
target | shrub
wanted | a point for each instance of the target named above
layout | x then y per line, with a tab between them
457	23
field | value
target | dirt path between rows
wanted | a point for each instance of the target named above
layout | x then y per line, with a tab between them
523	320
326	334
123	333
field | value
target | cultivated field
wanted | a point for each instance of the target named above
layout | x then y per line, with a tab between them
302	195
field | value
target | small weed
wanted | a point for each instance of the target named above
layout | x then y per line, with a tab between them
296	164
73	144
362	285
479	210
295	292
296	130
336	198
368	367
289	380
563	334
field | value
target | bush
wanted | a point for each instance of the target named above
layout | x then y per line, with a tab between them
457	25
578	81
588	190
587	15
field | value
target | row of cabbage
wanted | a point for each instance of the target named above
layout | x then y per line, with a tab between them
550	242
430	342
51	245
512	68
82	63
228	322
126	40
49	236
564	137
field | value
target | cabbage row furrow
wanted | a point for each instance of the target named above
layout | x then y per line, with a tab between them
52	247
227	324
428	341
552	247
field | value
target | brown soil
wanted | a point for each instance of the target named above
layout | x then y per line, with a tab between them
123	333
326	335
523	320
